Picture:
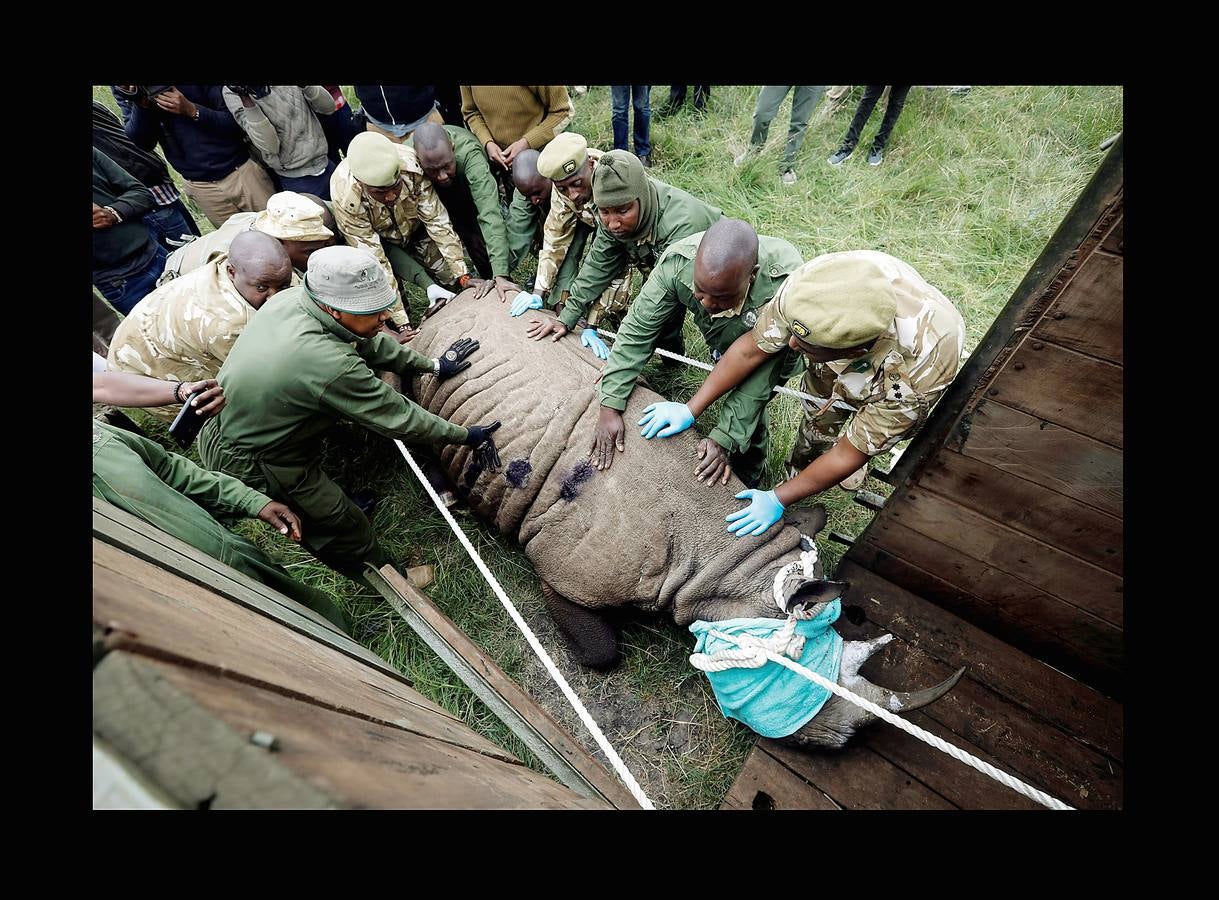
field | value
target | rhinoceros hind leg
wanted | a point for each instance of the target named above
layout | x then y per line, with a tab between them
590	638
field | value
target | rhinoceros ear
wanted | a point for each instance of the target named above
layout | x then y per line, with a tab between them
812	593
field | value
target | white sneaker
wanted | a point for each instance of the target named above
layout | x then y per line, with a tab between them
580	89
744	156
855	480
789	177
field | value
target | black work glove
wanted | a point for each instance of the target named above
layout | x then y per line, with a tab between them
452	360
485	454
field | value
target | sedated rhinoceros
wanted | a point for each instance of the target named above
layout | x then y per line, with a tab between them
643	532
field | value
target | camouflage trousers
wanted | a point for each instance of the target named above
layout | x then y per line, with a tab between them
614	299
819	433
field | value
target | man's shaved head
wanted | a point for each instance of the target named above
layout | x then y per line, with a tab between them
259	266
528	180
434	151
726	264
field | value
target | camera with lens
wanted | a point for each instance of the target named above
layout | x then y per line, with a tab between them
247	90
144	90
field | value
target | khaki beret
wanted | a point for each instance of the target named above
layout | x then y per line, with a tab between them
290	216
838	300
373	159
563	157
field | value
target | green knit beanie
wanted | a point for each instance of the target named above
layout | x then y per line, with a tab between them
618	179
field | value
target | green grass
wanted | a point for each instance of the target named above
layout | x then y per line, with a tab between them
969	193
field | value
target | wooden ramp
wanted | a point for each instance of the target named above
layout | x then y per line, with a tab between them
1009	709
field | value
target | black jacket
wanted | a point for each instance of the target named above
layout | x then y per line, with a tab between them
110	138
396	104
207	150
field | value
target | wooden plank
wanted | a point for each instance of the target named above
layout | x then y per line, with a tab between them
1113	243
1045	454
858	778
137	537
349	761
1070	389
1063	702
1009	609
1022	742
1053	518
562	754
765	783
1079	583
153	612
959	784
869	500
196	759
1087	317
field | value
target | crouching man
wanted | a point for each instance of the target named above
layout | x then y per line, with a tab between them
306	362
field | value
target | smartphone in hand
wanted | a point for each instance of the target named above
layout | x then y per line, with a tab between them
187	423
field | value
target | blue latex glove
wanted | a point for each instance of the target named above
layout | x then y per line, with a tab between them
525	301
589	338
763	511
674	418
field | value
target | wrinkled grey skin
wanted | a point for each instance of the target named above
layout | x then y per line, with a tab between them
643	533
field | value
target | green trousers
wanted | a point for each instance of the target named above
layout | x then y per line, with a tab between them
805	98
334	529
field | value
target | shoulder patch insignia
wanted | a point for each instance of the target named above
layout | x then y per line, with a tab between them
750	318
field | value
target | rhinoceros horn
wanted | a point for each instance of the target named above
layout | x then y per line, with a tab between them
839	719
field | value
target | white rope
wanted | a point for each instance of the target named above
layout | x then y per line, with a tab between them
909	727
616	761
754	653
702	365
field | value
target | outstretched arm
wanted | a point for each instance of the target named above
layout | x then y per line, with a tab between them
734	367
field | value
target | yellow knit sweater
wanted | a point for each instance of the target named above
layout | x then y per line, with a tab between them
507	113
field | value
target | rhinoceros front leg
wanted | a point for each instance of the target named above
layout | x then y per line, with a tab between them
590	638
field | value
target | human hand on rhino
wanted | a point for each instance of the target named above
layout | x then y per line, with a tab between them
610	434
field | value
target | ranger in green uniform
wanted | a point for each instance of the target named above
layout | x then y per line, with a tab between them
305	362
639	219
723	276
172	493
455	164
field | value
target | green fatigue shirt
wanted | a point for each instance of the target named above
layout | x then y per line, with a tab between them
366	223
890	389
680	215
559	231
672	283
183	330
296	371
182	499
472	165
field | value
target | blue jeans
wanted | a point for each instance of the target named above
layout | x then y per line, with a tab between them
637	95
311	184
169	223
126	287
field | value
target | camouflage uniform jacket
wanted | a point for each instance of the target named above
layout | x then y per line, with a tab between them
679	215
671	284
365	223
560	230
183	330
186	259
890	388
